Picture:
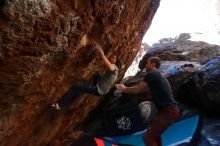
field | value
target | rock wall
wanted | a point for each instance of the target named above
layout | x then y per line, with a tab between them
46	46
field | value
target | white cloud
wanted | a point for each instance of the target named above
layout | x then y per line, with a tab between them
186	16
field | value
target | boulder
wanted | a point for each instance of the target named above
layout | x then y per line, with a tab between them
206	84
182	48
46	46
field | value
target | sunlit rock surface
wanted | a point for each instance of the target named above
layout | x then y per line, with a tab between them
182	48
46	46
133	69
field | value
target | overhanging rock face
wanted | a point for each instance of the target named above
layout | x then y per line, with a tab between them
46	46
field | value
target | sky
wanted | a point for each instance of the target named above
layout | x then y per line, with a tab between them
201	18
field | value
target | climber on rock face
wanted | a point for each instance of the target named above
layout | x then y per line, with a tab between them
158	85
101	84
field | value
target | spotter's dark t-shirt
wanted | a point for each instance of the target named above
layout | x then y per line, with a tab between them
160	89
